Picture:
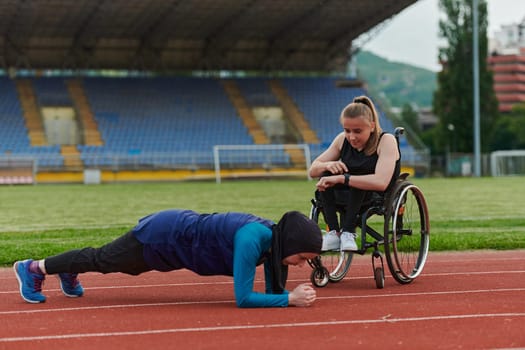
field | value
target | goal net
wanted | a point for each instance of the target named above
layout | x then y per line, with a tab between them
507	163
17	170
244	161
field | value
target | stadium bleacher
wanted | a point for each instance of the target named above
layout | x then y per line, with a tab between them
182	116
13	132
171	121
256	91
321	101
51	91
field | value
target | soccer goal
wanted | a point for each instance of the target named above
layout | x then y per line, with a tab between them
507	163
244	161
17	170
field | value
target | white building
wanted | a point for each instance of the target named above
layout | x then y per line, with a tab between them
509	39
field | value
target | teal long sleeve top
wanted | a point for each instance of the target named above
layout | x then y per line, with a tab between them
250	243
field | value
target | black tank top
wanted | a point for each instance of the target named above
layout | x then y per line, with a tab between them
358	163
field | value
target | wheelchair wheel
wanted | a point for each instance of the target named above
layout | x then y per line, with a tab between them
406	232
379	277
336	262
320	277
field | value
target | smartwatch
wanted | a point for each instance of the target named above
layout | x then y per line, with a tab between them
347	178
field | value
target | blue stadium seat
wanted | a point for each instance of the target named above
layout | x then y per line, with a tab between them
256	91
51	92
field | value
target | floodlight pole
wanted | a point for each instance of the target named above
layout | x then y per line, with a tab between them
475	67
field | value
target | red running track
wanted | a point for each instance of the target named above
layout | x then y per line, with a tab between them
468	300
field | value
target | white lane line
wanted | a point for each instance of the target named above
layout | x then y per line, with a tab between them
471	273
349	277
188	284
448	292
117	306
261	326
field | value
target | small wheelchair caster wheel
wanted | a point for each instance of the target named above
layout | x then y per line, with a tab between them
379	277
320	277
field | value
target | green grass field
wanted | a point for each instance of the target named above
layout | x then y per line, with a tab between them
37	221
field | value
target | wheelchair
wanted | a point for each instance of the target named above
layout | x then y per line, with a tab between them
394	224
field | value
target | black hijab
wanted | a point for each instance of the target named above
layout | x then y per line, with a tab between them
293	234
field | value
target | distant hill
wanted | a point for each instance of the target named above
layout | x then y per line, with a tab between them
398	83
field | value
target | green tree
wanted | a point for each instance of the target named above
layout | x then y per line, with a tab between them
453	99
509	130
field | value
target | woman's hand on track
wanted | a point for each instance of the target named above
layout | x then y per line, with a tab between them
303	295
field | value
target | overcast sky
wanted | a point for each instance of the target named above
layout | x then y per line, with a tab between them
412	36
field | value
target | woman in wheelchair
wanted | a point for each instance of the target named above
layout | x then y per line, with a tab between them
361	160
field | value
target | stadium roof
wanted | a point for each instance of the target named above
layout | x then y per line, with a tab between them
160	35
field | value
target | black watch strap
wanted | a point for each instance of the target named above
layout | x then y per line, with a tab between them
347	178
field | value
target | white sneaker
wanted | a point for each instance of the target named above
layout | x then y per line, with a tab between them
331	241
348	241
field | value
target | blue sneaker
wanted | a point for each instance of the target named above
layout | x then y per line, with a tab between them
30	283
70	285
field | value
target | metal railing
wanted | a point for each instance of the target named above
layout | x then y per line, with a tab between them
420	160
